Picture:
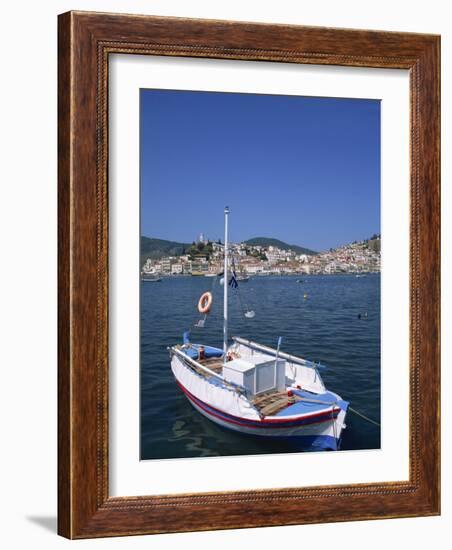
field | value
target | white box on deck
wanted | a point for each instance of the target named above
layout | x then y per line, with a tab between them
257	373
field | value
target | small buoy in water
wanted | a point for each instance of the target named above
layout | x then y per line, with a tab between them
305	296
222	281
250	314
362	315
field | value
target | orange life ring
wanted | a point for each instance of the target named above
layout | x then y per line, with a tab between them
205	302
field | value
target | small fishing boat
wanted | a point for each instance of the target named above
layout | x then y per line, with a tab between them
151	278
257	390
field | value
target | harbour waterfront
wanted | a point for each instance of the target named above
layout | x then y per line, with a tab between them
334	319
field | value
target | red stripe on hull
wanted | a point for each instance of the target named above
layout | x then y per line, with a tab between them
269	423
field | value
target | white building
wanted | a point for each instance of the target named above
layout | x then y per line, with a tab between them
177	269
202	239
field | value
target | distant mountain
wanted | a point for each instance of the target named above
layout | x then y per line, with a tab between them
159	248
266	241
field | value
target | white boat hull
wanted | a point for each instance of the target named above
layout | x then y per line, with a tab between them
321	429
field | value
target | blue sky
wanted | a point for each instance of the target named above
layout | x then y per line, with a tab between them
304	170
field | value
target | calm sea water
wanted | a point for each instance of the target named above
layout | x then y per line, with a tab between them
323	327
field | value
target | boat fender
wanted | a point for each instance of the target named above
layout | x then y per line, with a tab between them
205	302
290	397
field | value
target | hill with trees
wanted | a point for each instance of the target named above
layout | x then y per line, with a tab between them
267	241
159	248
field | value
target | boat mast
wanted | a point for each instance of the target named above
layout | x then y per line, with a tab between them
225	286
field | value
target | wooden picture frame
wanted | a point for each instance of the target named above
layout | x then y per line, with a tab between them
85	42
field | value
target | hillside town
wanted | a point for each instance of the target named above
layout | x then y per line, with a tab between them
204	257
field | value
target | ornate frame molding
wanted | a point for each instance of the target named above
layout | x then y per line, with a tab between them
85	42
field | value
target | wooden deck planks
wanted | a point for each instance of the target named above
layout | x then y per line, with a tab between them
274	407
214	364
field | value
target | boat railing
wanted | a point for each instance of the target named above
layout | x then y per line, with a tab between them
281	354
236	387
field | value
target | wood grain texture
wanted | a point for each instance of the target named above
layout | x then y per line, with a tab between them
64	295
85	42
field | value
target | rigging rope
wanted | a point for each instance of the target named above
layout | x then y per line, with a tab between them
247	308
243	309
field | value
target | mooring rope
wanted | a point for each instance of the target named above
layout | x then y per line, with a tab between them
332	404
363	416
